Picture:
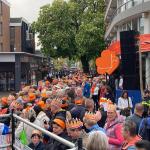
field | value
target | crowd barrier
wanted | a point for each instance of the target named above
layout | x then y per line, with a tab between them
10	142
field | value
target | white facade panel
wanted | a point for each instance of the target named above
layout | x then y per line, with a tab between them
7	58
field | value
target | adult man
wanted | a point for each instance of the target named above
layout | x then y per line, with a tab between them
146	102
142	145
75	131
130	136
137	116
144	129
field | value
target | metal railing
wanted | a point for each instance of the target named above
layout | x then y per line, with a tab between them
129	4
50	134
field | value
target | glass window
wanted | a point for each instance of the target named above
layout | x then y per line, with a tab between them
129	25
1	31
136	2
135	24
141	25
1	47
0	7
12	33
124	27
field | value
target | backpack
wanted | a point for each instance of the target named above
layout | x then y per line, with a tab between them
145	131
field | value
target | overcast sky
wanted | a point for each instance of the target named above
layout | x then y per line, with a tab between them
26	8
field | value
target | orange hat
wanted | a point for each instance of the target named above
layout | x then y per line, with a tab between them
41	104
79	101
111	107
56	102
43	93
11	98
4	101
92	116
74	124
60	122
47	83
31	96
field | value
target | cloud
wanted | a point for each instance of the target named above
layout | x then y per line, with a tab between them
29	9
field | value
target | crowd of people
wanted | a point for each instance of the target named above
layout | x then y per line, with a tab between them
78	107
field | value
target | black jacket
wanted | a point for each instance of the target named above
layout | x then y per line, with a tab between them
55	145
40	146
78	111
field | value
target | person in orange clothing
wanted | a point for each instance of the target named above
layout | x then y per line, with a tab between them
130	137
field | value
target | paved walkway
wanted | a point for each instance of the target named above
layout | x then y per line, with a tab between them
4	94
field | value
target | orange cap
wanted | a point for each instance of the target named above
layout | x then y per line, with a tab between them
60	122
79	101
31	96
47	82
41	104
4	100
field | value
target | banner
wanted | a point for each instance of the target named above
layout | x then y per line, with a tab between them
4	140
144	42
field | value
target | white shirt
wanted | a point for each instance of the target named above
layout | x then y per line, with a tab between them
123	103
96	90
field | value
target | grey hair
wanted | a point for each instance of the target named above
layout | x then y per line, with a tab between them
97	140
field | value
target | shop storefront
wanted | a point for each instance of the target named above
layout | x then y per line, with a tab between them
18	69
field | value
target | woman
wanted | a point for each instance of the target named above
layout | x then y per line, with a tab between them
113	128
97	140
125	104
58	127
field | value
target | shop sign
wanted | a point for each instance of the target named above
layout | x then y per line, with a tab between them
34	66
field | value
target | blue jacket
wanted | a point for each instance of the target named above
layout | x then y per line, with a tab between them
144	129
86	90
96	128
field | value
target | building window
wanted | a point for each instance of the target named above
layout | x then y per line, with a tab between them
141	25
129	25
135	24
12	33
1	30
1	47
0	7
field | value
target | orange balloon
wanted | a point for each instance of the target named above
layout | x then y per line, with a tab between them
107	63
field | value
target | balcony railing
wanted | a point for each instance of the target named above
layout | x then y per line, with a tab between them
124	7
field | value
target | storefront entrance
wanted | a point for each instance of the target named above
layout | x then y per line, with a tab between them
7	81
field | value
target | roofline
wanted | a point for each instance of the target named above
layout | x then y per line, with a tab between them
19	24
21	53
15	24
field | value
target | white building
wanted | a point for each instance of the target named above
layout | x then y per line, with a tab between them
122	15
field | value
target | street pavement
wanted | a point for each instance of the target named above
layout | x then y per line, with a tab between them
4	94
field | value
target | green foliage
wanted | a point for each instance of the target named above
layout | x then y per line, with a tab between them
71	29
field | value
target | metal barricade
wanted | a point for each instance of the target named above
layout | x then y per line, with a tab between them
50	134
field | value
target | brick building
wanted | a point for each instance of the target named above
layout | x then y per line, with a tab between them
18	61
4	26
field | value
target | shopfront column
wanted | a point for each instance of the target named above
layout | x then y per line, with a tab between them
17	72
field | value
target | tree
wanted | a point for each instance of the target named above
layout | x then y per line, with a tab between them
73	29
